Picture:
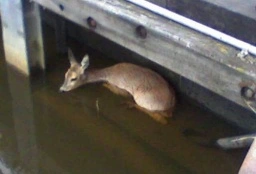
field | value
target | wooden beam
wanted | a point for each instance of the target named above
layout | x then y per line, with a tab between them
226	16
162	3
22	35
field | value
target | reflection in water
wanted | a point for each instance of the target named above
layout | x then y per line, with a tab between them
22	113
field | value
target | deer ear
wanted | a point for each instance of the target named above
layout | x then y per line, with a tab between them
71	57
85	62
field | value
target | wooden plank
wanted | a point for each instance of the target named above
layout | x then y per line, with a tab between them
234	17
243	7
22	36
162	3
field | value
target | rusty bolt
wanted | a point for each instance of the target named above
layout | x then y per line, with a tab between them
91	22
61	7
141	31
247	93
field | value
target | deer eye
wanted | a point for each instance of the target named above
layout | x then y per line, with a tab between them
73	79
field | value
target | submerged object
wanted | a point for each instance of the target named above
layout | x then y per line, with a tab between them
227	143
236	141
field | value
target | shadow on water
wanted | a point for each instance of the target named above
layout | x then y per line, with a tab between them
89	131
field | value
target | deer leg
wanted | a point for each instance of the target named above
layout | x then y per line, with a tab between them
158	116
117	90
129	104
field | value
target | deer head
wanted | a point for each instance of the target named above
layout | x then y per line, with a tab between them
75	76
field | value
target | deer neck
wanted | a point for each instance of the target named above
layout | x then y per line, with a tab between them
95	75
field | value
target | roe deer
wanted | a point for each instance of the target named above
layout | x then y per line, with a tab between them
150	91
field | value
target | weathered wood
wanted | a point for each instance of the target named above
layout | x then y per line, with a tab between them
162	3
248	166
246	8
234	17
22	35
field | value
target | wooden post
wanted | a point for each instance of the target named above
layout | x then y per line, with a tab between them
22	36
249	164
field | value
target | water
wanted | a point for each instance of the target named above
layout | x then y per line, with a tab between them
89	130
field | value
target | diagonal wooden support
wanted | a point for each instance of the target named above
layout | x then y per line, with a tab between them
22	36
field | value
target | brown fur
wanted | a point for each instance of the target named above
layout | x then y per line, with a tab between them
151	93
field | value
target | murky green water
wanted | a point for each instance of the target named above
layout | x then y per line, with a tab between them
89	131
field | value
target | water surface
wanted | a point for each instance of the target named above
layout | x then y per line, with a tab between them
89	130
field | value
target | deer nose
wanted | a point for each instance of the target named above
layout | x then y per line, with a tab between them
62	89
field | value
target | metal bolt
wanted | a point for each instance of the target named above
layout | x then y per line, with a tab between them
91	22
247	93
141	31
20	33
61	7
